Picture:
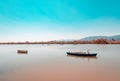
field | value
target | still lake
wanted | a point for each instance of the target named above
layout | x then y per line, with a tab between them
51	63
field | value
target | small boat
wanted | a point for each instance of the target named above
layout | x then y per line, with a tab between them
81	54
22	51
82	57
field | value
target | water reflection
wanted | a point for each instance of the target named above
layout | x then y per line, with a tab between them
22	53
50	63
83	57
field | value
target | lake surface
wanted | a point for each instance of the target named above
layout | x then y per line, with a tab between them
51	63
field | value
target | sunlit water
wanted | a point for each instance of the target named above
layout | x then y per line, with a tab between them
51	63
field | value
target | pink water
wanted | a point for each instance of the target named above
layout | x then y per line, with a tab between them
50	63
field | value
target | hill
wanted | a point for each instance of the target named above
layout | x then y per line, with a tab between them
115	37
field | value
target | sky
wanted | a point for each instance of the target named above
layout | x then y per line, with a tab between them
44	20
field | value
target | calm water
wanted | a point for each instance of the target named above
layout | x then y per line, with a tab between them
50	63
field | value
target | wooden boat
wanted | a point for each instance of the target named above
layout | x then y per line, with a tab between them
81	54
22	51
82	57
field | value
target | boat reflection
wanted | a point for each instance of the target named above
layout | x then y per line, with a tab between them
22	53
83	57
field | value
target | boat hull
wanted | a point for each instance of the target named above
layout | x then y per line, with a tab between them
81	54
22	51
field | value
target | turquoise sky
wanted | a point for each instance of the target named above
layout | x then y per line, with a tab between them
38	20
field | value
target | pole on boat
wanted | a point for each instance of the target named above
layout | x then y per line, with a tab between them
88	52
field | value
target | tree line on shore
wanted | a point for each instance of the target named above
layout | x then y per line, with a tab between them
96	41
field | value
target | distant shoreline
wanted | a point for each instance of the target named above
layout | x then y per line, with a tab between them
97	41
